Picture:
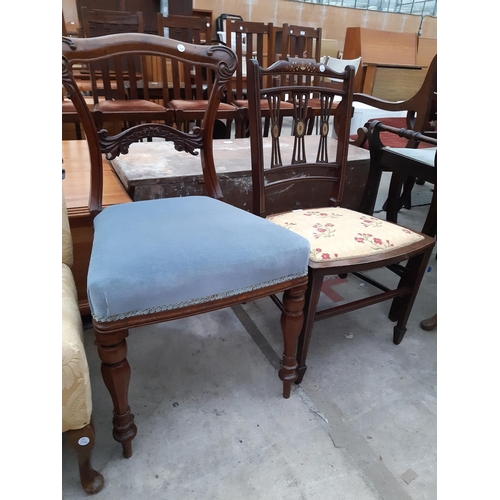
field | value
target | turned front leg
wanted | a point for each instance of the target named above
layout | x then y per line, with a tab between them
116	375
291	325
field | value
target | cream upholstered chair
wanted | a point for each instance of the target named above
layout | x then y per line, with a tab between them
76	392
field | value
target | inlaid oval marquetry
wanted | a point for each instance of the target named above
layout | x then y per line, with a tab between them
276	131
324	129
300	128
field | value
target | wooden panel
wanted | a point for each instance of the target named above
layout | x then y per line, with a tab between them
329	47
180	7
427	49
165	172
379	46
397	84
149	9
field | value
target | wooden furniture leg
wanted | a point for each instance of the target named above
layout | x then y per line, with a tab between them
311	304
401	306
292	318
429	323
82	441
116	375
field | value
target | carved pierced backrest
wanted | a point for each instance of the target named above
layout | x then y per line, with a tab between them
187	81
250	40
119	77
219	61
285	167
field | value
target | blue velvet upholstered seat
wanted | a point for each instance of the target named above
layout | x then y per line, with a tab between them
169	253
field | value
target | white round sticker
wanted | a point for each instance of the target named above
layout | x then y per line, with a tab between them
83	441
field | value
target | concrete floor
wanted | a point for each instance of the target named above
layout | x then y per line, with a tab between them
212	424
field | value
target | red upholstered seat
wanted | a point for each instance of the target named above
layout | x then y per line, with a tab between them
264	104
197	105
130	105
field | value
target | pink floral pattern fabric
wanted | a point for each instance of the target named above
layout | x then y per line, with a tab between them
339	233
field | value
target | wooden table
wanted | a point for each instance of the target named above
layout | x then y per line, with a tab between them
156	170
76	186
403	167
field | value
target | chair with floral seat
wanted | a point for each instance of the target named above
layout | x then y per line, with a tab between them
342	241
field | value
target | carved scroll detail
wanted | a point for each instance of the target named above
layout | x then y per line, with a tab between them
70	42
115	145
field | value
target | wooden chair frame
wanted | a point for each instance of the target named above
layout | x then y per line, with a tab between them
259	46
111	335
299	174
123	81
301	41
189	97
421	110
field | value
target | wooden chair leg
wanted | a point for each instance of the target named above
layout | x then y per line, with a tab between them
401	306
429	323
116	375
291	325
406	194
311	304
367	205
82	441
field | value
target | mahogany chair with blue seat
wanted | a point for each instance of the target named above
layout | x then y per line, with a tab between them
159	260
342	241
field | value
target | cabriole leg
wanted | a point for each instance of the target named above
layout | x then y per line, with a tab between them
82	441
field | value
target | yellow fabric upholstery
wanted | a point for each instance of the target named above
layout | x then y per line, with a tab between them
76	392
339	233
67	242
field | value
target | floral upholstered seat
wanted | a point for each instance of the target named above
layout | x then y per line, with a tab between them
338	233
